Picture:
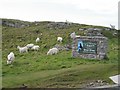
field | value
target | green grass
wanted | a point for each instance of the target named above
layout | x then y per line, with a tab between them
75	75
36	69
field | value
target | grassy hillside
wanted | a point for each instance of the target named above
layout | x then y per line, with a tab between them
36	69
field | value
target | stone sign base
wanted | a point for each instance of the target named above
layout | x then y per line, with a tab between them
91	47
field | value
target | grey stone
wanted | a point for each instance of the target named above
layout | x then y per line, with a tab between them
97	51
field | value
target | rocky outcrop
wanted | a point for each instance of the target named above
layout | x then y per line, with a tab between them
13	23
58	25
66	47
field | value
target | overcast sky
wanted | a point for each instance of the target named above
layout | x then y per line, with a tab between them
94	12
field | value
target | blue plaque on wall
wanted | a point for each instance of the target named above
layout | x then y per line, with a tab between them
87	47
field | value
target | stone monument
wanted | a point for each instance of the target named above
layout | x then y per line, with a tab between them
91	47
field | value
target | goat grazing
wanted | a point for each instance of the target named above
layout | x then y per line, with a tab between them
52	51
59	39
22	49
10	58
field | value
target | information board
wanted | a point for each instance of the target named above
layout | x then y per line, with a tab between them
88	47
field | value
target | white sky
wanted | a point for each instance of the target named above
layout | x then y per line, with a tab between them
94	12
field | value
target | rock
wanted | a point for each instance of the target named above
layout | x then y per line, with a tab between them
23	86
58	25
59	47
68	46
65	47
99	81
91	84
13	23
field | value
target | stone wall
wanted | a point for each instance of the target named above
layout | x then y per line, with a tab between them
100	48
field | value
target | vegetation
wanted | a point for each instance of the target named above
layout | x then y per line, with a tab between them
36	69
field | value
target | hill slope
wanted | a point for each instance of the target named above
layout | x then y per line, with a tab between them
36	69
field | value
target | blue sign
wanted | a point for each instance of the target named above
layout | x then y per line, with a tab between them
87	47
80	46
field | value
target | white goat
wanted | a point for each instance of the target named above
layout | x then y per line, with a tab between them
37	40
22	49
52	51
35	47
73	35
112	26
59	39
29	45
10	58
